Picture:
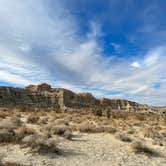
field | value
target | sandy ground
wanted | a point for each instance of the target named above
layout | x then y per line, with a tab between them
85	150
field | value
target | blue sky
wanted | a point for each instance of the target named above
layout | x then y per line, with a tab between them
111	48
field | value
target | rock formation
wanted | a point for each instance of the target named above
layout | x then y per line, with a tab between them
44	96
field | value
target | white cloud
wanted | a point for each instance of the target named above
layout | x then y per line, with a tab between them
39	46
136	64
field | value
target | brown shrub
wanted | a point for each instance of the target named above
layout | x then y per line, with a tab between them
41	145
140	148
68	134
151	132
24	131
33	118
7	136
90	127
61	130
4	114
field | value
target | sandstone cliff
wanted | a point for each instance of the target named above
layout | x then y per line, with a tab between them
44	96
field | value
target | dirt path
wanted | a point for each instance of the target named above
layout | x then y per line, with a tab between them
86	150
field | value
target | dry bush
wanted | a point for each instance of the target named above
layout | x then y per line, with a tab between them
4	114
90	127
24	131
7	132
68	134
33	118
123	137
153	133
158	142
141	148
7	136
61	130
41	145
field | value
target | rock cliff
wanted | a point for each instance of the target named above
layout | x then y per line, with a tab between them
44	95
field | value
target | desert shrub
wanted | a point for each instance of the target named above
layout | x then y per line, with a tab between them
41	145
68	134
59	129
7	132
7	136
97	112
24	131
151	132
4	114
90	127
123	137
33	118
141	148
158	142
108	114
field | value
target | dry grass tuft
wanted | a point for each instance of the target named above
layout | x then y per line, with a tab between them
33	118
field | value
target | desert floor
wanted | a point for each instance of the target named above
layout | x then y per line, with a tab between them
81	139
86	149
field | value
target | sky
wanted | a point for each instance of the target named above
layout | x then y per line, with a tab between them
110	48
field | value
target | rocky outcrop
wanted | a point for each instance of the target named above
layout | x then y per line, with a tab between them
122	104
18	96
40	88
44	96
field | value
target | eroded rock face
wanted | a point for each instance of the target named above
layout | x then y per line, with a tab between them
122	104
42	87
18	96
80	100
44	96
